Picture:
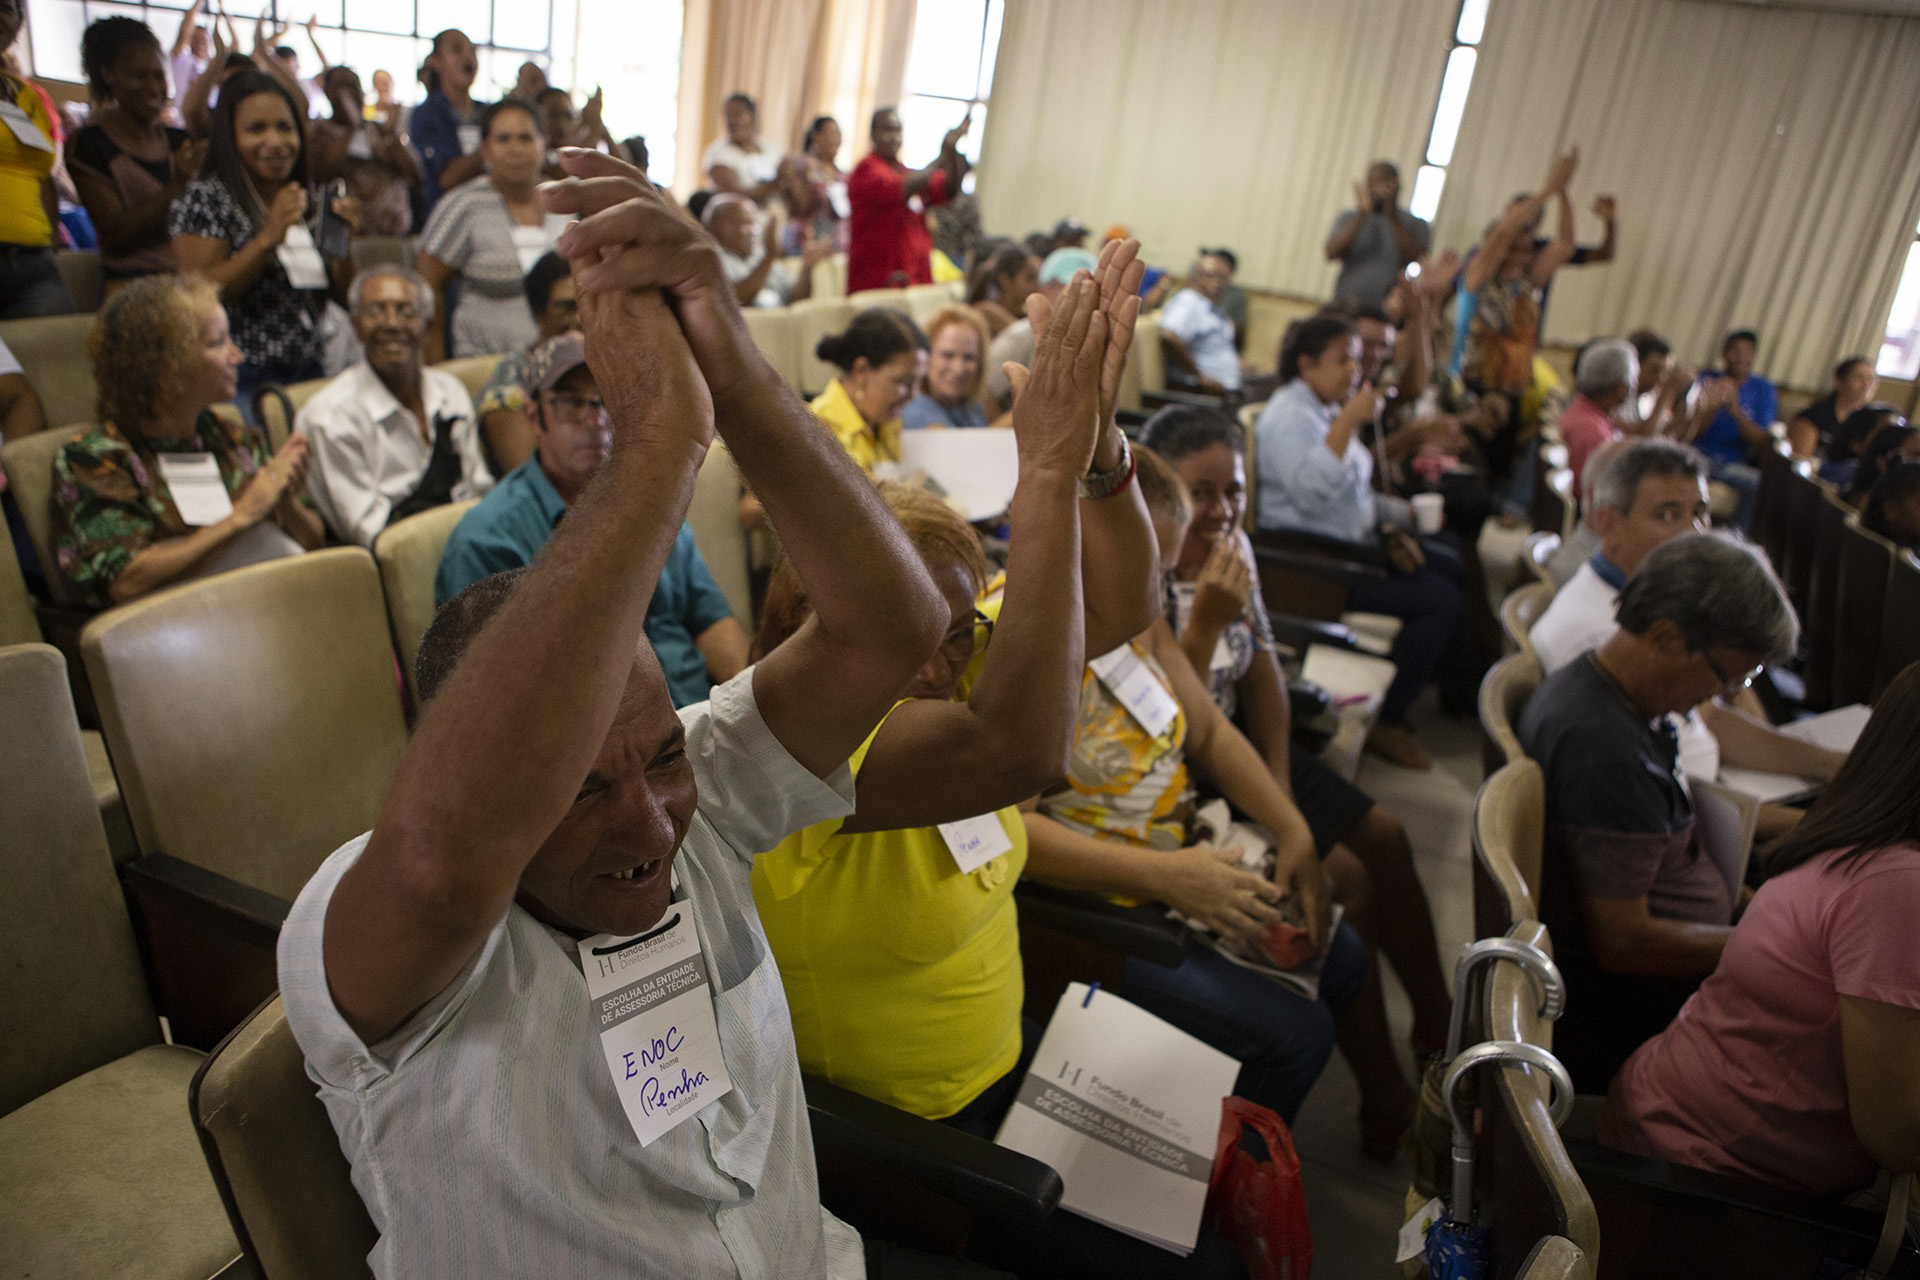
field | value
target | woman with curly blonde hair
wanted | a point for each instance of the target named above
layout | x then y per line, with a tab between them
164	489
956	368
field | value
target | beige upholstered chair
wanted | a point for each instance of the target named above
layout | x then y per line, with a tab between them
924	301
1503	693
715	520
274	1152
275	420
408	553
254	716
28	463
813	320
1509	829
1520	610
52	350
1146	349
895	298
775	331
473	371
1540	548
1556	1258
18	623
99	1171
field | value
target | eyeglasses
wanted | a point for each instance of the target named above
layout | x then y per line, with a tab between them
1728	685
405	312
575	408
967	640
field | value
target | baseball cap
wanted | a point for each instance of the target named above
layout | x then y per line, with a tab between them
555	358
1062	263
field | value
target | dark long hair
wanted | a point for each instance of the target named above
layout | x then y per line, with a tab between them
223	145
1311	338
1873	803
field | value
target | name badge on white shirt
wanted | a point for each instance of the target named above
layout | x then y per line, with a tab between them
974	842
199	494
1222	659
22	126
1133	686
530	242
300	256
653	1005
469	138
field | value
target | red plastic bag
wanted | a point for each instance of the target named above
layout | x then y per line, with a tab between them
1260	1206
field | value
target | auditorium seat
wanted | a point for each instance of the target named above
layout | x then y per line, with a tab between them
18	625
473	371
85	277
1504	690
1556	1258
1821	615
714	516
381	251
924	301
1520	610
896	299
1539	549
1800	505
1146	349
1769	501
274	1154
254	719
408	553
100	1174
1900	622
830	277
775	331
1866	561
277	419
28	463
52	351
814	319
1553	502
1509	831
1529	1186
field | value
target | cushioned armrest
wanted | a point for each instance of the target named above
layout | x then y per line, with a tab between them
1297	633
209	942
1302	542
997	1183
1334	568
1840	1230
1144	932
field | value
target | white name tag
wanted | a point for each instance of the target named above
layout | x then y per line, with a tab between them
653	1006
199	494
1134	687
1222	659
469	138
974	842
23	128
300	256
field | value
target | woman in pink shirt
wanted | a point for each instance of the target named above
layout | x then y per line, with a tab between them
1798	1061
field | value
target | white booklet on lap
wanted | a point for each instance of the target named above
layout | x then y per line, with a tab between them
1126	1108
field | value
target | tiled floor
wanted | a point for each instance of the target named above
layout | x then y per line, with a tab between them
1356	1205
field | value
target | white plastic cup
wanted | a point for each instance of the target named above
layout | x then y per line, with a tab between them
1428	512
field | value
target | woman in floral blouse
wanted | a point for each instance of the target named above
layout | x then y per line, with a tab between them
136	506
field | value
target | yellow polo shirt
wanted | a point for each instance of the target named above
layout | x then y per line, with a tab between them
868	445
902	972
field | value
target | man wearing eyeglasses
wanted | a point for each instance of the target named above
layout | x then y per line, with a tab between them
689	622
391	438
1638	906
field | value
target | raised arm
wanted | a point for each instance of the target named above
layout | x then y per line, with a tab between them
1493	250
1557	254
1119	556
183	36
877	615
499	757
937	761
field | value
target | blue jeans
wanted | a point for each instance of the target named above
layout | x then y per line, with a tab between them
31	285
1431	603
1743	480
1281	1038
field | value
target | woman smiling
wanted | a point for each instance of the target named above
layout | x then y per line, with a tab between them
950	390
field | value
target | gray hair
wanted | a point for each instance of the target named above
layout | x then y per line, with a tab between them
1617	483
422	291
1606	365
1718	590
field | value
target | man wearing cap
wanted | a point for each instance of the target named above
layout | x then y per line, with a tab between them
1196	335
1015	342
888	244
1070	233
689	623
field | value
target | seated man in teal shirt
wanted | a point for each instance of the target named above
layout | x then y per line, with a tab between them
689	623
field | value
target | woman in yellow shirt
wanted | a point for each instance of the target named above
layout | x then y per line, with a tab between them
878	356
30	283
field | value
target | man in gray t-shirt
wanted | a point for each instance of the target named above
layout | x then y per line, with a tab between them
1374	241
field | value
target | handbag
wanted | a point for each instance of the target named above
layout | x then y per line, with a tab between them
1255	1200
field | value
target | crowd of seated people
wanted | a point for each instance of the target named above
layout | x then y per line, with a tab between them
896	687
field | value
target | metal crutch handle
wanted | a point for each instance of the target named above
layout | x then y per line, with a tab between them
1460	1209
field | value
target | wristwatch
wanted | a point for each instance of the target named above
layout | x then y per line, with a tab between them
1104	484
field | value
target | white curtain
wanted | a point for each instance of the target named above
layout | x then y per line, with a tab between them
1242	123
1766	161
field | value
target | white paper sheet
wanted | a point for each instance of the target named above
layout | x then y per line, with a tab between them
977	466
